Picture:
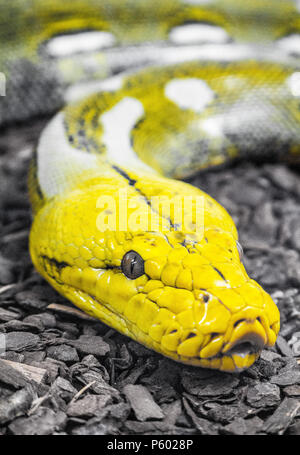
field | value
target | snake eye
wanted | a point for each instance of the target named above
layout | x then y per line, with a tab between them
132	265
240	250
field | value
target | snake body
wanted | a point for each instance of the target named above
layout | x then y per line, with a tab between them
184	293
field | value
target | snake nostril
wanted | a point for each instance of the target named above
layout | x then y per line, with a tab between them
238	322
260	320
190	335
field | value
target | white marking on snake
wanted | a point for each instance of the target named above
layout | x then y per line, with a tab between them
293	82
198	33
190	93
290	43
57	161
118	123
213	126
62	46
79	91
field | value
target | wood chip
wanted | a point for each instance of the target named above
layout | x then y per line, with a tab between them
11	376
283	347
292	391
63	353
282	417
207	383
203	425
15	405
91	344
88	406
21	341
286	378
142	403
64	309
44	421
6	315
263	395
29	372
241	426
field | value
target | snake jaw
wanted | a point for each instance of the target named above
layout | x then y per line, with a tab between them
251	332
237	347
242	349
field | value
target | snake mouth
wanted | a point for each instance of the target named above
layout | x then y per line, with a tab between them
237	355
243	346
236	349
251	343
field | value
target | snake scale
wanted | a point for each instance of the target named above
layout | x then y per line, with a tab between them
152	92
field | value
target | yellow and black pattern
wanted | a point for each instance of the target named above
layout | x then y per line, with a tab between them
239	109
153	91
37	67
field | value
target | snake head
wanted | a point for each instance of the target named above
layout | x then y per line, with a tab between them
187	297
198	305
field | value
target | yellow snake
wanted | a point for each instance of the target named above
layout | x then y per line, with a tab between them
122	142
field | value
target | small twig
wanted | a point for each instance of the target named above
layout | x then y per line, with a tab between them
81	391
37	403
7	287
108	334
64	309
15	236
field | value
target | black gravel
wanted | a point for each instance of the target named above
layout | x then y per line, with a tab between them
64	373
